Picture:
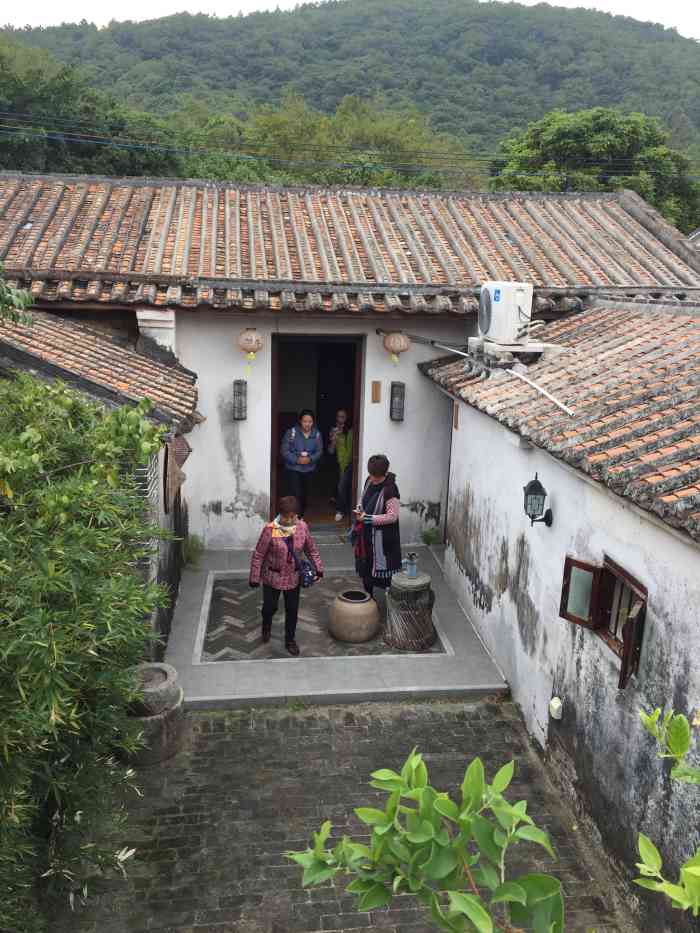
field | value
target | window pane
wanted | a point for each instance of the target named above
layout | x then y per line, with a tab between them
580	591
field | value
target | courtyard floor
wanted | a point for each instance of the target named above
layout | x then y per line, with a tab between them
215	646
215	821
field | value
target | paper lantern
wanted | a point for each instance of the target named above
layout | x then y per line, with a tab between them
396	343
250	343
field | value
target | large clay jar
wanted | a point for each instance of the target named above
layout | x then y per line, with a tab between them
159	715
354	617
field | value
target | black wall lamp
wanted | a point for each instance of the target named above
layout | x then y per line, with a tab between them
240	399
535	497
397	401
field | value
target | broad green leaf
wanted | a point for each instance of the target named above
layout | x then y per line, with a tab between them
377	896
484	834
503	778
302	858
442	862
650	721
317	873
423	834
420	775
509	891
473	786
539	887
442	837
472	907
321	836
385	774
678	736
447	807
677	894
533	834
361	885
686	774
648	883
505	814
486	875
371	816
649	853
399	849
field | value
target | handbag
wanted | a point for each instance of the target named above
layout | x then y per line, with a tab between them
304	567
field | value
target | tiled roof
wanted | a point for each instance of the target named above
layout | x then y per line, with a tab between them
191	244
100	364
632	378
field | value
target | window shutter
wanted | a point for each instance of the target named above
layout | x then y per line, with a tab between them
632	633
580	593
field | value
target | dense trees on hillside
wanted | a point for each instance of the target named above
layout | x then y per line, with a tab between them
601	150
478	69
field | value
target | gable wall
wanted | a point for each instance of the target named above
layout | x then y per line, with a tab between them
228	473
508	576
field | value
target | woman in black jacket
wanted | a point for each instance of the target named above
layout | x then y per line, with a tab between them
376	534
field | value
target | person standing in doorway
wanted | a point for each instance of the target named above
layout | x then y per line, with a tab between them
302	448
375	533
275	563
340	446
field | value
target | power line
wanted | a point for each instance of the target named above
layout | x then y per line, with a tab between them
248	148
447	169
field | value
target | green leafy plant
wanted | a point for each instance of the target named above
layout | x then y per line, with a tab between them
192	549
450	855
672	731
14	302
431	537
74	610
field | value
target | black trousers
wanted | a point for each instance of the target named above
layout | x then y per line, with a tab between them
298	485
271	599
342	499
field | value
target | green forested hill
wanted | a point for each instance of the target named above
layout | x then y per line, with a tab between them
477	69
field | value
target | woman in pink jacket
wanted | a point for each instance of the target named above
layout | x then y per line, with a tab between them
282	545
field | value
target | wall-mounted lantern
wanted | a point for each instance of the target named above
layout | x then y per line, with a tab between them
535	498
396	343
249	343
240	399
397	401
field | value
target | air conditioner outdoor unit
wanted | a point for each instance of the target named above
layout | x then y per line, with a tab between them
504	312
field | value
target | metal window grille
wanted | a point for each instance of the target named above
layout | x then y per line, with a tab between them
147	484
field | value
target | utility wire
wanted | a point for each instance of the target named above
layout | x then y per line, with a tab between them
452	157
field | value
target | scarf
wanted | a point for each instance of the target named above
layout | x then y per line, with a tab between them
282	531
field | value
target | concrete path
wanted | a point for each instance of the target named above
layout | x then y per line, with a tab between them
466	670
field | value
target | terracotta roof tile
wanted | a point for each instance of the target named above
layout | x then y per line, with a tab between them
192	244
647	446
104	364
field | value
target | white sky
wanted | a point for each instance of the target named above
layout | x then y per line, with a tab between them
684	15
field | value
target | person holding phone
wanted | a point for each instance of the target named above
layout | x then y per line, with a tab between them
375	535
302	449
340	446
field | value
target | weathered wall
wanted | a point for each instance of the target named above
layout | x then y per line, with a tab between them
228	484
509	577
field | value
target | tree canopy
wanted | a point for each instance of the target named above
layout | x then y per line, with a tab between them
477	69
601	150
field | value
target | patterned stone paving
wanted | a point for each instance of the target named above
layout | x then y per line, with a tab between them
234	625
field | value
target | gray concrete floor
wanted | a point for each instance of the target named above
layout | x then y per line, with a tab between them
466	671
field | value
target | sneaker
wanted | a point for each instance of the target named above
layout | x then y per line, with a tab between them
339	516
293	648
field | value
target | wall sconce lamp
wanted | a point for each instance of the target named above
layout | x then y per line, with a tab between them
535	497
397	401
240	399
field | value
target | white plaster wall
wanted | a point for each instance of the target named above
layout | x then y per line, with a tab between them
228	473
508	576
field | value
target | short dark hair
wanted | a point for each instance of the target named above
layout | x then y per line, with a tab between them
306	411
288	505
378	465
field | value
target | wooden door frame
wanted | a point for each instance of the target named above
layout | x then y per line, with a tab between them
358	340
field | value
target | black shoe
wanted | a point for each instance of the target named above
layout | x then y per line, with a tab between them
266	632
293	648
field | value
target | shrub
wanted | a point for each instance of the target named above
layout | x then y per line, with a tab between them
73	621
451	856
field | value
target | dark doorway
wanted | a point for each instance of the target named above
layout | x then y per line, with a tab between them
323	374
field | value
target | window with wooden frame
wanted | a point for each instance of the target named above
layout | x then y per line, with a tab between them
610	602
